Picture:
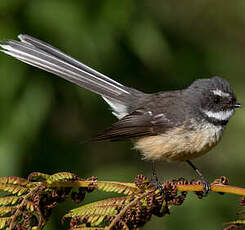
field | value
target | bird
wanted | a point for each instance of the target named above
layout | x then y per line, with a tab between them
176	125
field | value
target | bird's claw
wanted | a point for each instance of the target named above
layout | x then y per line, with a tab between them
157	184
206	186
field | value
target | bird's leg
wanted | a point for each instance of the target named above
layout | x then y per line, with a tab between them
154	174
154	178
158	185
206	185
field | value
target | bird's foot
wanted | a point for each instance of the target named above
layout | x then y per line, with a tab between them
156	183
206	186
204	181
158	186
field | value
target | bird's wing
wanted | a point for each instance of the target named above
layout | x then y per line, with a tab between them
137	124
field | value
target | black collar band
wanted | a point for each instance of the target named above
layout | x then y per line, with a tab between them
216	121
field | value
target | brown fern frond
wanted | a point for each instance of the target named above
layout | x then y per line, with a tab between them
9	200
37	176
131	211
61	176
110	201
4	222
87	228
117	187
13	180
13	189
27	204
7	210
93	209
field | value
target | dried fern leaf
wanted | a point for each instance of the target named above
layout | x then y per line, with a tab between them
93	209
13	188
4	222
88	228
14	180
117	187
96	219
9	200
37	176
30	206
109	202
62	176
7	210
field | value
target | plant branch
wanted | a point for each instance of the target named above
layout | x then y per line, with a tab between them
214	188
188	188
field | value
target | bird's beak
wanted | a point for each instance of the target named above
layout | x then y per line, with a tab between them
237	105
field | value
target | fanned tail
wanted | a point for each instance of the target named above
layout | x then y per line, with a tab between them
44	56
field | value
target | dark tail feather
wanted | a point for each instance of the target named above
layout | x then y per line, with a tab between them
44	56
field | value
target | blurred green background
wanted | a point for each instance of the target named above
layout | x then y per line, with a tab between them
150	45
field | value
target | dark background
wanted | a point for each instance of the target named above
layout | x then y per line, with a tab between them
150	45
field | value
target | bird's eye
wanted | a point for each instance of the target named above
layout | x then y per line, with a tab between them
216	99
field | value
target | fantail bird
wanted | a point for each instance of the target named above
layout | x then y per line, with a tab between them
177	125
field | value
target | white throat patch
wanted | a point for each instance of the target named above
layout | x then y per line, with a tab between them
221	116
220	93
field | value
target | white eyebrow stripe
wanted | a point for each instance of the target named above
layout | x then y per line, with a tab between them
220	93
221	116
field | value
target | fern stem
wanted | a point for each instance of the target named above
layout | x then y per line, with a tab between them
191	188
214	188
